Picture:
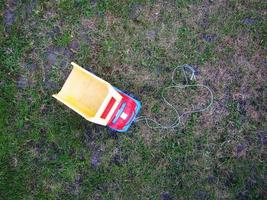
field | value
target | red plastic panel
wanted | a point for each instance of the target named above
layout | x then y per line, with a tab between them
108	108
129	110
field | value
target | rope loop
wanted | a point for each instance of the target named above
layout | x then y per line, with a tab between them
153	124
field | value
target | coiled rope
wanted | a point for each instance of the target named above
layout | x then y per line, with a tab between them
153	124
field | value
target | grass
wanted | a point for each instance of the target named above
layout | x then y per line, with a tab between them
49	152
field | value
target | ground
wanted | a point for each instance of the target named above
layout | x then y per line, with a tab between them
49	152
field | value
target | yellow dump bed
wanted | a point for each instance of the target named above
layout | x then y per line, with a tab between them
88	95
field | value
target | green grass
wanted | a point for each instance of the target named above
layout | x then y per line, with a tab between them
46	150
64	39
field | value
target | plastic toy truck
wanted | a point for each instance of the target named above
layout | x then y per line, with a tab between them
97	101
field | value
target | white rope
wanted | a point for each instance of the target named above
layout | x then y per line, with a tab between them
177	121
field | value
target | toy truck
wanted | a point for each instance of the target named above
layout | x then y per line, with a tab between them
97	100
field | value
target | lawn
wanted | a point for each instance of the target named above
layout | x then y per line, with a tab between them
47	151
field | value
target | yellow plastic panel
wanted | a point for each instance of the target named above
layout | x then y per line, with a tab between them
83	92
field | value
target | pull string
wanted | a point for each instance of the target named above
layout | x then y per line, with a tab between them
153	124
